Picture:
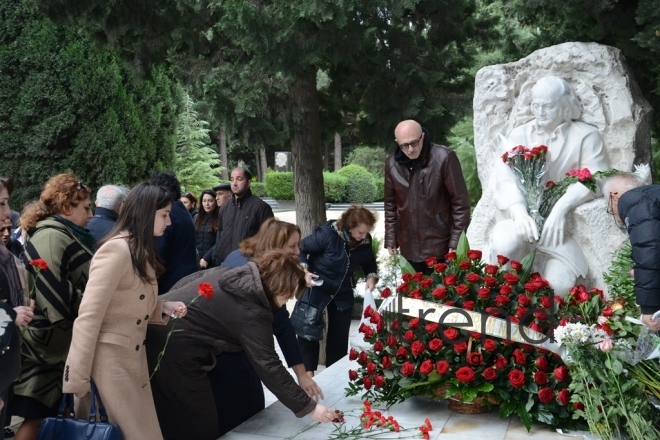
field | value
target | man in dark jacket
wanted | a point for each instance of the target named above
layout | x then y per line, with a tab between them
427	205
176	247
637	209
109	199
239	218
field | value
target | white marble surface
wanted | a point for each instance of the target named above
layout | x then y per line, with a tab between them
277	422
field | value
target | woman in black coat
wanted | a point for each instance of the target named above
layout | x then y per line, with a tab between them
333	252
206	227
238	317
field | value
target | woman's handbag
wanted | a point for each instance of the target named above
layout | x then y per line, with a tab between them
59	428
307	315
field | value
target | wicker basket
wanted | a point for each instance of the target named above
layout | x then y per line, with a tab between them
477	406
440	391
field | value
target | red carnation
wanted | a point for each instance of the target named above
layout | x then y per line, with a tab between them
517	378
450	280
435	344
490	345
204	289
386	361
40	265
561	373
462	289
608	312
540	378
490	373
440	267
439	292
442	367
465	374
386	292
546	395
352	375
491	269
502	260
475	359
379	381
426	367
564	397
578	406
431	261
417	348
407	369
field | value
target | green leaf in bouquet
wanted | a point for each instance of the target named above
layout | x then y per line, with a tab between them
525	418
389	374
527	263
486	387
405	382
530	403
469	394
531	388
508	407
405	266
617	367
462	248
543	415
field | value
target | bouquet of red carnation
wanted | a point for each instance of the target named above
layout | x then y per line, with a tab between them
528	165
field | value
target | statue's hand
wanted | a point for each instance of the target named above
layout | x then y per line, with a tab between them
553	229
525	225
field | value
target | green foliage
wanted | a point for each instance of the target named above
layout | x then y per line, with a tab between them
196	165
259	189
68	106
360	187
335	187
279	186
379	183
461	141
620	282
371	158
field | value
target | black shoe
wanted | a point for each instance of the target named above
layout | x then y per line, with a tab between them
9	433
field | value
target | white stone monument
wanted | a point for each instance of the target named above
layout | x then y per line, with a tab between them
611	111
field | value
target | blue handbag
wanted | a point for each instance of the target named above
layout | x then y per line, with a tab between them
60	428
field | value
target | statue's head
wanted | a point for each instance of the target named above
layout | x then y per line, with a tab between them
554	102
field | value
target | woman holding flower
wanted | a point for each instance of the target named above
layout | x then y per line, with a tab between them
238	317
56	234
120	300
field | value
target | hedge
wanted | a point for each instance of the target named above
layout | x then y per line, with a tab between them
335	187
279	186
379	182
360	187
258	189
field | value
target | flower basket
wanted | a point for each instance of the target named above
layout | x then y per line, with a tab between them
477	406
440	391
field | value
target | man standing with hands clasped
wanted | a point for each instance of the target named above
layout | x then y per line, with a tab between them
636	208
427	205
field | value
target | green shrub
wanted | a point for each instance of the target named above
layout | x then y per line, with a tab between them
371	158
279	186
259	189
335	187
379	182
360	187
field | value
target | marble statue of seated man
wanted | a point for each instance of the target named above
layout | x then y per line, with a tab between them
571	145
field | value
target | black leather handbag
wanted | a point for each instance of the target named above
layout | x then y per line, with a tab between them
59	428
307	316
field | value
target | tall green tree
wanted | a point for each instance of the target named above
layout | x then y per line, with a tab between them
66	105
196	165
390	59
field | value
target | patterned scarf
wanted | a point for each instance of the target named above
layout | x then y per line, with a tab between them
81	233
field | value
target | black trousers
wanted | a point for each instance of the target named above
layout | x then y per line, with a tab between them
339	325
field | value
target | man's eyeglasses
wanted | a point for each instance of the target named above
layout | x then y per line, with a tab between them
412	144
610	211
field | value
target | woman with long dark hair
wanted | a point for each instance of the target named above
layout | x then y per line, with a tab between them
206	227
55	232
120	300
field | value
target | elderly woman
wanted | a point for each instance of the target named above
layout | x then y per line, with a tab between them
55	227
238	317
334	251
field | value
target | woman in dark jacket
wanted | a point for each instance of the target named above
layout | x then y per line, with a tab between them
334	251
238	317
206	227
236	387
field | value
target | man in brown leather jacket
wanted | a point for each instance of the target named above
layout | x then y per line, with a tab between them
427	205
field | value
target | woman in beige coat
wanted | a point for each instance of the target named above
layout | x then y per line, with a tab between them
121	298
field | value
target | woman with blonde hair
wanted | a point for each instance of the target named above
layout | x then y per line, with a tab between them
120	300
55	233
237	317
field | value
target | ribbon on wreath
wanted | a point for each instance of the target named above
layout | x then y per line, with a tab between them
483	323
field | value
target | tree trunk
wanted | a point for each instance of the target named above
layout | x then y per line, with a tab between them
326	159
337	152
223	155
257	161
264	164
306	154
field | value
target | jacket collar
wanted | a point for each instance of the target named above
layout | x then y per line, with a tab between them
345	235
423	158
240	201
105	213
